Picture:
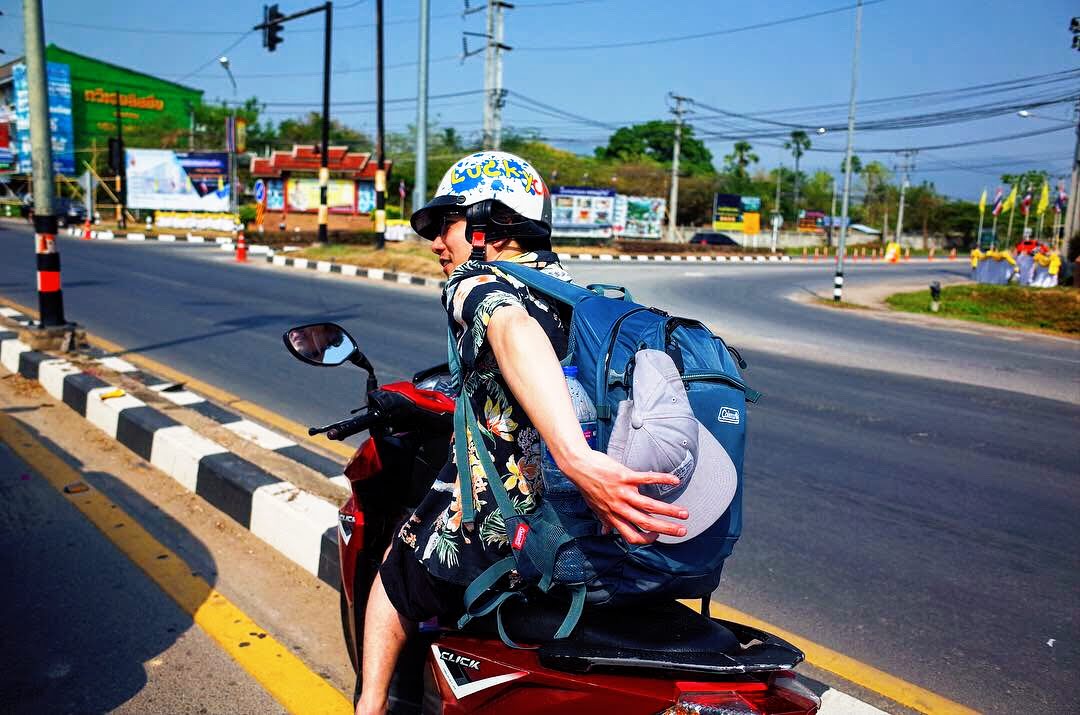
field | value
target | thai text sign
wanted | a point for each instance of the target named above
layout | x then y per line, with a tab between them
60	126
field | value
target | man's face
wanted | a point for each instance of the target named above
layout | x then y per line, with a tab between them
451	245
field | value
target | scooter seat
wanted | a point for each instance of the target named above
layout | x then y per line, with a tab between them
667	636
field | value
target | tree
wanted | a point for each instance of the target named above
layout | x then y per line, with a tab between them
655	140
856	165
308	130
797	145
741	156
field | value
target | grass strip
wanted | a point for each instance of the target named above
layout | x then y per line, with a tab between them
405	257
1055	310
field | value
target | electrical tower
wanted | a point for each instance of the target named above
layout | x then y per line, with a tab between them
494	94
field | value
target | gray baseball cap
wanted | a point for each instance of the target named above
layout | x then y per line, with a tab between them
656	431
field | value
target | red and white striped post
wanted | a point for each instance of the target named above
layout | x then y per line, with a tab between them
50	296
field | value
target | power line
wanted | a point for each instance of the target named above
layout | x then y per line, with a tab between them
337	28
224	52
697	36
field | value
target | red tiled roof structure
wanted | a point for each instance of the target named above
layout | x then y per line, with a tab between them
305	158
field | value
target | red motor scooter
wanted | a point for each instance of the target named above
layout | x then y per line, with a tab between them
663	660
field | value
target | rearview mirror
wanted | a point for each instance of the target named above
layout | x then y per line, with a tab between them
325	344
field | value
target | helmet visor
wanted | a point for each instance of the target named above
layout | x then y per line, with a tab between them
427	221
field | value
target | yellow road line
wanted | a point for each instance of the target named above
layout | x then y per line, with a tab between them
861	674
276	669
849	669
293	429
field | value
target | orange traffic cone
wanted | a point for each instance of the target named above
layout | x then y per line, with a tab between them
241	248
930	255
907	253
952	255
86	229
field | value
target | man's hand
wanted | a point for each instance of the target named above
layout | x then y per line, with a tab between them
611	491
532	371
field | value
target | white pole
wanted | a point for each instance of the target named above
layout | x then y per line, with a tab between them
838	280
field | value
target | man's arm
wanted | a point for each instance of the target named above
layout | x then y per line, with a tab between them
532	371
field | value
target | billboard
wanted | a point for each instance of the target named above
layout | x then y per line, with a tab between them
60	124
639	216
98	87
582	211
732	212
812	222
342	195
177	181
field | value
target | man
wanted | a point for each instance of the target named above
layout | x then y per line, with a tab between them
510	343
314	341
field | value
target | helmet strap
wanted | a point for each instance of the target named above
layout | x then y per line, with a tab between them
476	228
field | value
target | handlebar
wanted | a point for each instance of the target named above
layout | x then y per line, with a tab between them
347	428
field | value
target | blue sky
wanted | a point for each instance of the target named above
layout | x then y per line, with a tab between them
908	46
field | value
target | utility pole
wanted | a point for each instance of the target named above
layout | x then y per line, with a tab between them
907	165
420	187
673	201
776	208
121	165
272	26
50	297
1072	211
324	155
494	94
838	279
380	132
832	212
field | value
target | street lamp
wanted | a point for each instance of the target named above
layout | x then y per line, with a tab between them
234	195
821	130
1026	114
224	61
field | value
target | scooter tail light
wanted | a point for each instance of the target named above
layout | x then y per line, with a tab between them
786	696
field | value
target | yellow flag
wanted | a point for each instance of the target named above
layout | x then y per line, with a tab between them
982	203
1044	199
1010	201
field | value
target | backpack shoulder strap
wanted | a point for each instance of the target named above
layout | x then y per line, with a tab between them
560	290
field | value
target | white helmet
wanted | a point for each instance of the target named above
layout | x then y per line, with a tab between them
494	176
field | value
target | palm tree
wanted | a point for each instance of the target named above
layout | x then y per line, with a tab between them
741	156
797	145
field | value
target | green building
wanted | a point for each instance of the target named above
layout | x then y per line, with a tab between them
148	106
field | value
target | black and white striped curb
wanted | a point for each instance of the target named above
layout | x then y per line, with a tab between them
348	269
223	242
685	257
253	432
298	524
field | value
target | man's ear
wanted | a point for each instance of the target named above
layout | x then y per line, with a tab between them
504	244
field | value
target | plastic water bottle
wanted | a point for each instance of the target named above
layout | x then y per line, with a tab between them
559	491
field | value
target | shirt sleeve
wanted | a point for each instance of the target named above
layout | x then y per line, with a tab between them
477	296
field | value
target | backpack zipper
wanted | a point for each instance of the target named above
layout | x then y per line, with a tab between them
752	395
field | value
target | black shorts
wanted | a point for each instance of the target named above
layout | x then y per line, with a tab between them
414	592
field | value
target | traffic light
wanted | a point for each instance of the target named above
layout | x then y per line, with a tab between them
116	154
272	27
1074	27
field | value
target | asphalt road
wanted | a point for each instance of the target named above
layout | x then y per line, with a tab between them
85	631
924	526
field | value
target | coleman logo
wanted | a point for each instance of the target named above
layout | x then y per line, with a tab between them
520	534
461	660
729	415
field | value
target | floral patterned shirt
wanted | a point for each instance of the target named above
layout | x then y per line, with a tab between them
450	551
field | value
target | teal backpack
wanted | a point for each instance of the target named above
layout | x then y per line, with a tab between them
557	552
